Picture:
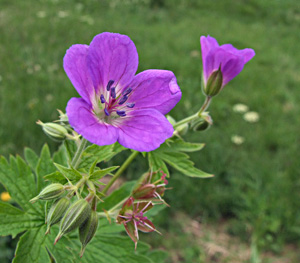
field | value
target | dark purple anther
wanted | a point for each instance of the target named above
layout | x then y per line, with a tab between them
122	100
121	113
130	105
113	92
106	112
109	84
102	98
126	92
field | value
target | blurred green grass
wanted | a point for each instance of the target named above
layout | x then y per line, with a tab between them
256	183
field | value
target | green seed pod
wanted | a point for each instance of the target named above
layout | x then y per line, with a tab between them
50	192
57	211
87	230
76	214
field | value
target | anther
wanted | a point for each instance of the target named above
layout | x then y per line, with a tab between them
106	112
121	113
113	92
130	105
123	99
102	99
109	84
127	91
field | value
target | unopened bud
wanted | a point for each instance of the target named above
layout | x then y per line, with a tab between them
55	131
50	192
182	129
63	118
76	214
57	211
214	83
171	119
144	191
203	123
87	230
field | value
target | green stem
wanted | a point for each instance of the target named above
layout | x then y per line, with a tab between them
194	116
76	159
120	171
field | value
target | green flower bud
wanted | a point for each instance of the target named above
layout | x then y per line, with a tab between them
182	129
76	214
171	119
214	83
87	230
50	192
57	211
55	131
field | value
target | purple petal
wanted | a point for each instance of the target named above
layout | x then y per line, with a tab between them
231	69
112	57
77	71
155	89
84	122
144	130
207	43
246	53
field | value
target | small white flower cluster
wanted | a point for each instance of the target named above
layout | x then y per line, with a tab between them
248	116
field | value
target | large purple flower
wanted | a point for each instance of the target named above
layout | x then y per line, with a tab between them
116	105
226	58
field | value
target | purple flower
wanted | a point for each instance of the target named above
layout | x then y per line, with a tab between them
225	59
116	105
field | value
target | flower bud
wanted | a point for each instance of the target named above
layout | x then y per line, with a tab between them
87	230
171	119
50	192
57	211
76	214
55	131
182	129
214	83
203	123
144	191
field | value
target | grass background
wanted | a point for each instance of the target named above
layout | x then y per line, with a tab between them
256	187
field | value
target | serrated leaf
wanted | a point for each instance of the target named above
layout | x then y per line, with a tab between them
31	158
117	196
99	174
156	164
30	248
14	221
70	173
158	256
55	177
45	166
60	156
19	181
179	145
180	161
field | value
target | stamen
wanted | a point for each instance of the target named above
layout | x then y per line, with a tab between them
130	105
127	91
106	112
102	98
113	92
121	113
123	99
109	84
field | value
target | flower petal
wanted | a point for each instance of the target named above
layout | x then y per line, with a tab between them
207	43
144	130
246	53
112	57
155	89
76	68
83	120
146	226
231	69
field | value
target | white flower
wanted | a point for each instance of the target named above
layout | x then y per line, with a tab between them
240	108
251	116
238	140
62	14
41	14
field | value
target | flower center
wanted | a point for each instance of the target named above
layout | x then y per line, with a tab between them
112	105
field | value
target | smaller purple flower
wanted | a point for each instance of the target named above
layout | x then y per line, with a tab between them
116	104
221	63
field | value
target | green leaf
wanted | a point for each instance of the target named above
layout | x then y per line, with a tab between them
55	177
158	256
99	174
171	152
45	166
31	249
60	156
117	196
70	173
31	158
19	181
14	221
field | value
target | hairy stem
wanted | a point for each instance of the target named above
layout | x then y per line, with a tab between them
120	171
76	159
